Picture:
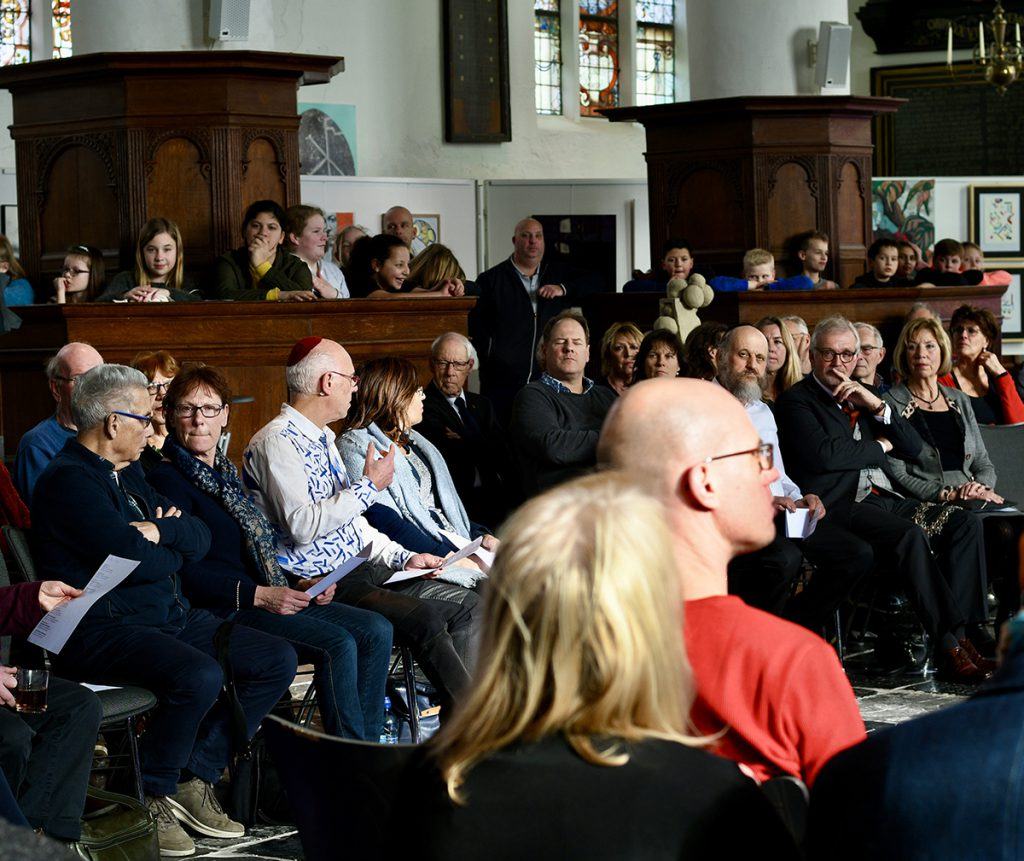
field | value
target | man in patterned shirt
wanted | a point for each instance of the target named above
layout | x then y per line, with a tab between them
296	475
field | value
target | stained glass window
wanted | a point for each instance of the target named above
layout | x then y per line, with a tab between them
655	52
61	22
599	55
547	49
14	32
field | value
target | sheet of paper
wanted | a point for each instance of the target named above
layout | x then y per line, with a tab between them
409	574
98	688
799	523
484	558
55	627
339	572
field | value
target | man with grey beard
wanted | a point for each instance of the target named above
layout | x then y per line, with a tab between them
766	578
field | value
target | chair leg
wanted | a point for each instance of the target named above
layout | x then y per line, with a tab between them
308	706
409	668
840	645
133	748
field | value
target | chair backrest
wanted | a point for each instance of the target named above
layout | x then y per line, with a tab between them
17	541
340	791
790	798
1005	445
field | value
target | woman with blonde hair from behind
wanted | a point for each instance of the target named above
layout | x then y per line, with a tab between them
436	269
574	741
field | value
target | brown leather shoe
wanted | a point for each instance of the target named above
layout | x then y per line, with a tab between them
956	666
982	663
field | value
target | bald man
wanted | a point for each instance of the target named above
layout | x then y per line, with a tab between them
776	688
517	298
398	222
40	445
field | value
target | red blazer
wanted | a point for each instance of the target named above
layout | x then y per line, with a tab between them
19	609
1009	400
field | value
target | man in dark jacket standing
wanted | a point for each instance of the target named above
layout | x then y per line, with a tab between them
92	501
517	298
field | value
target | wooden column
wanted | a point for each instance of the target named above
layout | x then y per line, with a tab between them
106	141
732	174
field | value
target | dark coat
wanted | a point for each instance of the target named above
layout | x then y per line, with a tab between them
232	279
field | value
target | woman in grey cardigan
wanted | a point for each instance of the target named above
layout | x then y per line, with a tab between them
953	470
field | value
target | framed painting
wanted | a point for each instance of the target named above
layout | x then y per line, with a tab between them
904	209
1013	325
995	220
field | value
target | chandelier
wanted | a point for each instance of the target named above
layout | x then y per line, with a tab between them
1000	59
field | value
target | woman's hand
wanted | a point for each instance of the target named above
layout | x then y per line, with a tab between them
296	296
453	287
53	593
324	288
990	362
976	490
8	682
490	543
424	562
60	287
282	600
148	293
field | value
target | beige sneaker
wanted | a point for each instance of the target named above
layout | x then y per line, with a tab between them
174	842
195	804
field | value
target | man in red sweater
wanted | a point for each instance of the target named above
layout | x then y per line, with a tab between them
775	688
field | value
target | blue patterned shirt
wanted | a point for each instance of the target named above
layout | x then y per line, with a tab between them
561	387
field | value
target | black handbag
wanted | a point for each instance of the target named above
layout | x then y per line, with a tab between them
116	828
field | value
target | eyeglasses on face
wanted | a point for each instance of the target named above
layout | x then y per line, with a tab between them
187	411
868	349
444	366
155	388
352	378
69	380
71	270
845	356
145	420
764	452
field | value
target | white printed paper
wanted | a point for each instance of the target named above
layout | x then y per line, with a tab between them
55	627
799	523
409	574
339	572
484	558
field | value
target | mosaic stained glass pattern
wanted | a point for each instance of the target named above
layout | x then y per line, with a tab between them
655	12
599	56
61	22
14	32
547	49
655	52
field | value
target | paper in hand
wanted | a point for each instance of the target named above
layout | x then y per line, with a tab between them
800	523
484	558
412	573
339	572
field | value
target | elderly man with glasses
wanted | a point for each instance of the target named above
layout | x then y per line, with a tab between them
39	445
91	502
872	352
835	435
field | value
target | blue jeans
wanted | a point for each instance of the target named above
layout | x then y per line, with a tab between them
190	729
350	649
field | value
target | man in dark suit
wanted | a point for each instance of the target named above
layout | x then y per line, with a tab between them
837	434
463	426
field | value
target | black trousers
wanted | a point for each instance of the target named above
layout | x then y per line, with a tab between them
46	757
1002	556
948	589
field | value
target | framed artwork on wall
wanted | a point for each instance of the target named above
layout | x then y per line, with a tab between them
994	217
1013	325
904	209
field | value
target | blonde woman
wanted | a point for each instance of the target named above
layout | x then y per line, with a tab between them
619	347
435	269
783	361
574	741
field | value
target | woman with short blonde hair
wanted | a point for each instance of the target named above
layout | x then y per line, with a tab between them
619	347
574	742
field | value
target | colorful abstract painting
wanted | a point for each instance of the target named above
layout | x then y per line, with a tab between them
903	209
999	222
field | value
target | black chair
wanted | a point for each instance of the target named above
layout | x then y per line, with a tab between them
791	799
340	792
1004	444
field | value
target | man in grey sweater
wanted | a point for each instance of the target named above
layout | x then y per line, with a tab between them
556	420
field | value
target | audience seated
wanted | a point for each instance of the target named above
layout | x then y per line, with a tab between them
240	575
299	481
974	258
766	577
160	369
620	345
344	241
836	434
436	270
574	742
775	690
700	350
82	278
261	269
659	356
945	269
39	445
977	371
884	261
783	362
91	502
944	785
462	426
676	262
953	467
44	758
801	337
16	289
159	274
398	221
759	274
556	420
379	269
306	238
872	352
812	252
517	299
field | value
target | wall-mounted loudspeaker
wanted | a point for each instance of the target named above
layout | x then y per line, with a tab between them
833	66
229	20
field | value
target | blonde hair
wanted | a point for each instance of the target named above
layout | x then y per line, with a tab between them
790	373
617	330
756	257
150	231
582	632
911	330
434	265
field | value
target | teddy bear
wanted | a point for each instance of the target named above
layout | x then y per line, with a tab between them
679	309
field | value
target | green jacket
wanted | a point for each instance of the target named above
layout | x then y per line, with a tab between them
233	280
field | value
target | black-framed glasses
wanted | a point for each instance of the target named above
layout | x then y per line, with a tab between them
459	366
71	380
208	411
146	420
845	356
154	388
764	452
70	270
868	349
352	378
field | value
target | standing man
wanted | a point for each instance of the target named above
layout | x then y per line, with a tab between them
398	222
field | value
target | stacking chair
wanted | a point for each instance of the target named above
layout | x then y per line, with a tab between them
1005	446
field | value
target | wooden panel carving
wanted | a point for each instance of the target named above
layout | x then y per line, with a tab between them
263	173
850	199
708	228
178	188
792	201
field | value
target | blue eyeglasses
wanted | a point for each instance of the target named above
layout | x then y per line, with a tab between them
146	420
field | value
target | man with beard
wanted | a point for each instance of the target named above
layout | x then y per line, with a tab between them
765	578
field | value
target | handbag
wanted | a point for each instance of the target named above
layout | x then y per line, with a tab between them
116	828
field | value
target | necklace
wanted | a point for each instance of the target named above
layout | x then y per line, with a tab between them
924	400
